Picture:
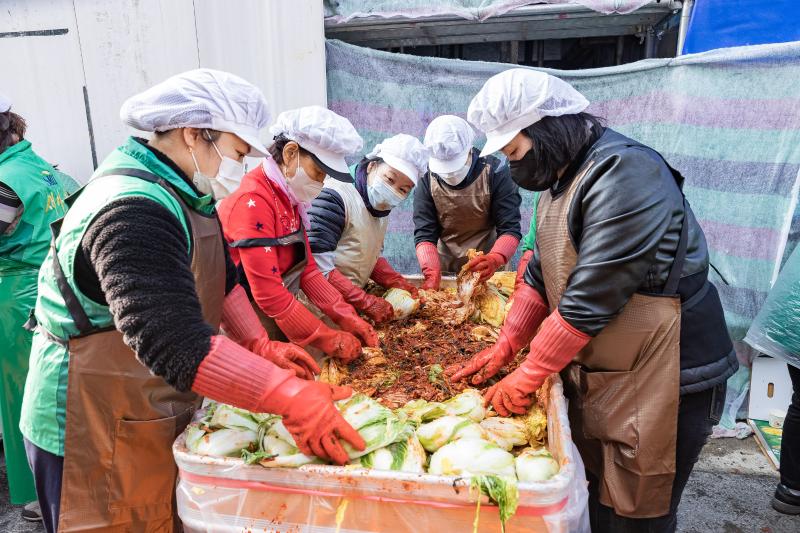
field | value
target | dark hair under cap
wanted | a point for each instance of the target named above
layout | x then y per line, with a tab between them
12	129
276	151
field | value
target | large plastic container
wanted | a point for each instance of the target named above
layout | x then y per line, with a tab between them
225	495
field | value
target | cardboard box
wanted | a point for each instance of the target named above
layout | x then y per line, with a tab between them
770	387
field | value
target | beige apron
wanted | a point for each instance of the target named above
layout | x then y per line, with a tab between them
290	278
119	473
623	386
465	218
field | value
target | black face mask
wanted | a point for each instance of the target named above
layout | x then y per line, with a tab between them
528	175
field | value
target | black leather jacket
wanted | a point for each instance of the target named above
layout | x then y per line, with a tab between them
625	223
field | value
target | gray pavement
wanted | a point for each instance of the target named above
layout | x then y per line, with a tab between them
728	492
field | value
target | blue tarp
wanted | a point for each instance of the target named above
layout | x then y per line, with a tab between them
726	23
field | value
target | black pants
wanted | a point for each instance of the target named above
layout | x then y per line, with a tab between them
47	469
697	414
790	445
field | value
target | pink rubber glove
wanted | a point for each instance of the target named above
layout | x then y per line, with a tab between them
486	265
303	328
328	299
428	257
231	374
242	325
527	311
384	275
377	309
522	267
553	348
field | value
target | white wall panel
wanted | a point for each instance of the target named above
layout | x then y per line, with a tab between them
278	45
42	73
128	47
115	48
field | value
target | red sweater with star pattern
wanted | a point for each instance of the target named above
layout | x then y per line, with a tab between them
259	209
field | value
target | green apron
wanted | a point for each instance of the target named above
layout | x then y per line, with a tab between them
42	190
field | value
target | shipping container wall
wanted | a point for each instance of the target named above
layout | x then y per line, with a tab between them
67	65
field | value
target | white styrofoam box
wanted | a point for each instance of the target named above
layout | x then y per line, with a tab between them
770	387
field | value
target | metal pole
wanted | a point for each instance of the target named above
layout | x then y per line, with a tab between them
649	43
686	13
620	49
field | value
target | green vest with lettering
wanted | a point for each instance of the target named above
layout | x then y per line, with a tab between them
44	407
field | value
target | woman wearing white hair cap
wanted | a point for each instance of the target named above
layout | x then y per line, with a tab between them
617	288
132	297
465	201
349	221
265	223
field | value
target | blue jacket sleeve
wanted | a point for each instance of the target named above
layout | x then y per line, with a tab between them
327	218
426	221
505	200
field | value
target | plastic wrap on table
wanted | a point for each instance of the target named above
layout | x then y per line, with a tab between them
222	494
776	328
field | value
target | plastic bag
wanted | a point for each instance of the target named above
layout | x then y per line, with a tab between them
776	328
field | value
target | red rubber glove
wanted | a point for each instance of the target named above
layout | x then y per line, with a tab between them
346	318
428	257
303	328
384	275
242	325
522	267
233	375
487	264
328	299
527	311
377	309
552	349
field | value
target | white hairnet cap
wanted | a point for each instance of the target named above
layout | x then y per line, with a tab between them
327	135
449	139
201	98
404	153
5	103
516	98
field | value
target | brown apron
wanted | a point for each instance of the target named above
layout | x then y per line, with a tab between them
623	386
119	473
290	278
465	218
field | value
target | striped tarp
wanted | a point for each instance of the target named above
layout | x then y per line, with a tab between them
728	119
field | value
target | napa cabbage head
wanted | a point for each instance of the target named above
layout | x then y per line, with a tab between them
403	456
465	457
536	464
402	302
468	403
506	432
226	442
377	425
439	432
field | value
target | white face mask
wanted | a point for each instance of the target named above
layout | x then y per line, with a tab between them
304	188
382	196
228	178
454	178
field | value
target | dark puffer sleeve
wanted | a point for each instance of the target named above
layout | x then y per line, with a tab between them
327	219
426	219
139	253
505	200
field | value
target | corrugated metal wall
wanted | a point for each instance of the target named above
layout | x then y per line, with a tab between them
69	64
